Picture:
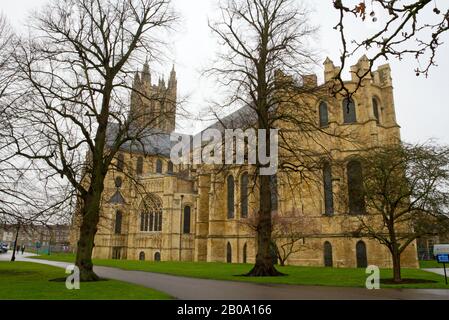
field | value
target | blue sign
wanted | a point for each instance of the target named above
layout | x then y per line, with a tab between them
443	258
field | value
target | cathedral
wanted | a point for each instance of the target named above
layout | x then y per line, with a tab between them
191	212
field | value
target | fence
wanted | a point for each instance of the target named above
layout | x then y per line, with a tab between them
46	249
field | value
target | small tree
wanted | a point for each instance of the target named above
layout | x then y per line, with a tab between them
405	186
289	234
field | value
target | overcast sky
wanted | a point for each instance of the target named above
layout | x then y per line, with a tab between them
421	104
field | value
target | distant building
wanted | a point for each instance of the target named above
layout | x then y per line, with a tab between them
29	235
425	243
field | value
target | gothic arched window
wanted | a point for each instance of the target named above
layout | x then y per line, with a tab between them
158	166
376	110
230	196
324	114
139	166
228	253
244	195
118	223
328	261
356	196
120	162
349	114
362	260
186	228
328	193
151	216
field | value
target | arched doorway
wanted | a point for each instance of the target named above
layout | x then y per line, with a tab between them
362	260
142	256
229	253
157	256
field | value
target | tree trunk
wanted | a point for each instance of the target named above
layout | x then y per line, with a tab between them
90	212
396	266
13	257
282	262
90	217
264	263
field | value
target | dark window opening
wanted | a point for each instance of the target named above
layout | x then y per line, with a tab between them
151	220
170	167
142	256
356	195
376	110
349	113
139	166
328	192
116	253
244	195
158	166
186	228
324	115
245	253
328	261
118	182
118	223
230	197
228	253
157	256
362	260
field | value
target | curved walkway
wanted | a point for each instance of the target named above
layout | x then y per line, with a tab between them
203	289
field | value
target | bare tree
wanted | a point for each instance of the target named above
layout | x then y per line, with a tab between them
405	189
75	73
265	67
401	28
5	41
25	200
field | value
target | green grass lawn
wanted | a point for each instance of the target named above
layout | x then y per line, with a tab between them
26	280
425	264
346	277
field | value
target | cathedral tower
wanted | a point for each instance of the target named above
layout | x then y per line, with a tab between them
154	106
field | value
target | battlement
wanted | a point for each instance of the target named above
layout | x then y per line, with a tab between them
380	77
157	103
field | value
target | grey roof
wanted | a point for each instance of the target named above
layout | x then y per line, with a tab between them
242	118
150	142
157	142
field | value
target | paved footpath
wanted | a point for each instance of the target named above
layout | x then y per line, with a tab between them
203	289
